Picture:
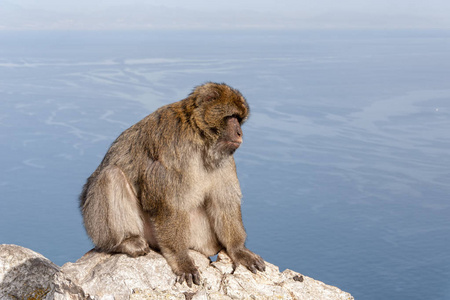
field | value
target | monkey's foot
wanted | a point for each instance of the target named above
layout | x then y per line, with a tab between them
189	278
133	246
187	271
250	260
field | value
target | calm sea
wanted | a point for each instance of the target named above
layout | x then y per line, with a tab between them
345	167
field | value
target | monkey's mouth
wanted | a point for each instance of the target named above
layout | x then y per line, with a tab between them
234	144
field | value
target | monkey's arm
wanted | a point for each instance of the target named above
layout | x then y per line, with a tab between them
159	191
227	220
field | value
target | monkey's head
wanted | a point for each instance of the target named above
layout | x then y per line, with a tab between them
220	111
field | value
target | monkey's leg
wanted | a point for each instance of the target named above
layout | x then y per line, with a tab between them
112	214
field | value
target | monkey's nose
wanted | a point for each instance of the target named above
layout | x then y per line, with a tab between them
239	134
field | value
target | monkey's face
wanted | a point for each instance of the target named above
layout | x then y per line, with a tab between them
231	137
224	120
220	111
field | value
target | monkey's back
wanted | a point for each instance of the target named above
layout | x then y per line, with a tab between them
165	136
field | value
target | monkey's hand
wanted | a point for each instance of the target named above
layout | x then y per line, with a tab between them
247	258
187	272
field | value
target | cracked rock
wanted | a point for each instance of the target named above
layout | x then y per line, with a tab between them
25	274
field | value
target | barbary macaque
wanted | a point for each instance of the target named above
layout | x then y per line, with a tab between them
169	183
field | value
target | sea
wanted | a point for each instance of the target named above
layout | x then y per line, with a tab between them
345	165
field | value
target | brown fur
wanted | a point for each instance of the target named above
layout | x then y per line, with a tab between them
169	182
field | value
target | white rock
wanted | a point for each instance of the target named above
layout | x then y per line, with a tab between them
104	276
25	274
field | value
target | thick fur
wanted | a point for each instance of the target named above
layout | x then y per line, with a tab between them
169	182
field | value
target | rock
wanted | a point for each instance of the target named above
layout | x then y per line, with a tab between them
25	274
104	276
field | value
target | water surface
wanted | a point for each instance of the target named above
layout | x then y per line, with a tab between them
345	164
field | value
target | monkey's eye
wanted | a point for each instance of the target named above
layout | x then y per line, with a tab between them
236	116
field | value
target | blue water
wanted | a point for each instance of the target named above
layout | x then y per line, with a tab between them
345	167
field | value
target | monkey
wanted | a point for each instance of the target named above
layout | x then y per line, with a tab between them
169	183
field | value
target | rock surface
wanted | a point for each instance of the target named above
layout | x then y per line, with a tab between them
25	274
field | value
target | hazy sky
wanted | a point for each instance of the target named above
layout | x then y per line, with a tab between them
113	14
